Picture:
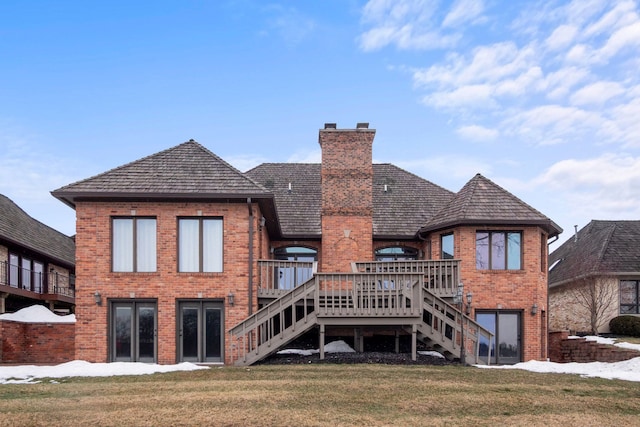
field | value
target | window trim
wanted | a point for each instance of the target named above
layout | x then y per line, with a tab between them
635	306
134	242
505	234
200	220
407	253
453	242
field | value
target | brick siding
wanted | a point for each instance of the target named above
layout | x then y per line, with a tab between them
36	342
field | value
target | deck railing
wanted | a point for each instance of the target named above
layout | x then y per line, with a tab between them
441	277
16	277
276	277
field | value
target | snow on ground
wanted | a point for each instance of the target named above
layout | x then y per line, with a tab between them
37	314
628	370
27	374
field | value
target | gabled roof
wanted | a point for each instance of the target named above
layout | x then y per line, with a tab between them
18	228
601	247
481	201
187	170
397	212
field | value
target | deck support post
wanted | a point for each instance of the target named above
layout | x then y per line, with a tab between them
358	340
397	341
3	296
414	345
322	330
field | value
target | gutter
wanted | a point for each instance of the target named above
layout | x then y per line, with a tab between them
250	282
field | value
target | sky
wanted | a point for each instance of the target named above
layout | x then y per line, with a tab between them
543	97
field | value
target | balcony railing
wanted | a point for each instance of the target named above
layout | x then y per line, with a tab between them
440	277
17	280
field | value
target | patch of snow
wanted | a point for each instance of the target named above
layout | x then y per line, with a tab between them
628	370
27	374
333	347
431	353
37	314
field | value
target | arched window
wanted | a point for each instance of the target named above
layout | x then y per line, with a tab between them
396	253
298	270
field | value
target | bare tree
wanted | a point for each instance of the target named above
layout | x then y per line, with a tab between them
598	297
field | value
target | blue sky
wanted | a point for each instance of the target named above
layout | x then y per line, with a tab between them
542	97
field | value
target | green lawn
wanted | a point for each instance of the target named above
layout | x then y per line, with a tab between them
323	394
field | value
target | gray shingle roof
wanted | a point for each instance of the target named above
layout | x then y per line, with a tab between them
17	227
397	213
186	170
601	247
481	201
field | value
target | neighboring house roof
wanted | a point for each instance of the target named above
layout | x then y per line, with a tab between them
18	228
481	201
186	171
397	212
601	247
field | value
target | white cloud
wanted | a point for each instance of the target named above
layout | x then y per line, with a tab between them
605	185
561	37
476	96
477	133
289	23
464	11
407	24
311	156
597	93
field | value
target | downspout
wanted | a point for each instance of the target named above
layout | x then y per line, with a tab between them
250	255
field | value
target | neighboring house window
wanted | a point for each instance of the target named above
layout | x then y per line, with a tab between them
396	253
446	246
25	273
630	297
134	244
498	250
200	245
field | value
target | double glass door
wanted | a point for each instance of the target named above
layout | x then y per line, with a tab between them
200	331
133	331
507	335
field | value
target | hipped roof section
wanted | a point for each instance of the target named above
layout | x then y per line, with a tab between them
482	202
185	172
600	248
17	227
402	201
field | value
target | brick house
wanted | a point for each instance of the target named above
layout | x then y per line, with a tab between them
37	263
595	276
181	257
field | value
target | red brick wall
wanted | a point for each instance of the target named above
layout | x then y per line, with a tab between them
564	350
347	197
36	342
506	290
93	271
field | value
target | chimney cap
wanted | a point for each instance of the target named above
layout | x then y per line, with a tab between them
330	126
362	125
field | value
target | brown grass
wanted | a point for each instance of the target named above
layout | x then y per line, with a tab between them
318	395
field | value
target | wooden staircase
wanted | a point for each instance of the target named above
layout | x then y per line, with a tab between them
395	297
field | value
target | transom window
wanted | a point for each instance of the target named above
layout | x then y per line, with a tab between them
396	253
200	245
498	250
134	244
630	297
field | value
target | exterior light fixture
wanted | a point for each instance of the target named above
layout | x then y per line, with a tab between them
469	298
534	309
231	299
98	298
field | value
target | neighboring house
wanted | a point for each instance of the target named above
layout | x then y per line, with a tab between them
181	257
595	276
37	263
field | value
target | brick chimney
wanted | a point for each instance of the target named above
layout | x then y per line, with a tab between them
347	196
